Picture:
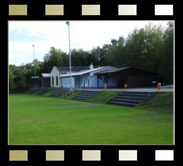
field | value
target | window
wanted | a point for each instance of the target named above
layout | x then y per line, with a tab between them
52	80
56	80
63	80
67	80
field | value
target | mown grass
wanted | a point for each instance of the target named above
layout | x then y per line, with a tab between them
104	96
161	101
38	120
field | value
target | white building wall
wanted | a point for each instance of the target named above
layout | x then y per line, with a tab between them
55	73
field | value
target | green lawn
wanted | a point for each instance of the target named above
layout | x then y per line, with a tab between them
104	96
35	119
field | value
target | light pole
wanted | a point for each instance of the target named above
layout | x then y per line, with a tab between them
34	63
68	23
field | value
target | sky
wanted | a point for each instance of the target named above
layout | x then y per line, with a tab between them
46	34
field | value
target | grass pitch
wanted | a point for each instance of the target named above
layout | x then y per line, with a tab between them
37	120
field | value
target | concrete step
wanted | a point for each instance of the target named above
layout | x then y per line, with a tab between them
81	99
57	93
128	92
44	91
128	101
132	97
122	103
34	91
87	91
87	95
135	94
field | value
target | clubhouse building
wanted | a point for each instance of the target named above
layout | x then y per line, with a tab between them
97	77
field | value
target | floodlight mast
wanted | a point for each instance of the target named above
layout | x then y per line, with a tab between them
34	63
68	23
34	60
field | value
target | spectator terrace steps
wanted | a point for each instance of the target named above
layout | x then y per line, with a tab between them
130	99
86	95
44	91
59	92
34	91
125	98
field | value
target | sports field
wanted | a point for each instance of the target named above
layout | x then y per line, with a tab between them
38	120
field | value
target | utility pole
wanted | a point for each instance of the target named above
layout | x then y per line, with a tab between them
68	23
34	63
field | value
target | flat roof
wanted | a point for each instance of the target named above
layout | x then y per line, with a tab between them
46	75
74	68
96	70
113	70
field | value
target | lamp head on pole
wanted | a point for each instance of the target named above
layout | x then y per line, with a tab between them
32	45
68	23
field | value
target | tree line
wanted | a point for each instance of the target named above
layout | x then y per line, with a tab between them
149	48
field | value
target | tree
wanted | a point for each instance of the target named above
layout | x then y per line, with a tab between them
116	53
143	47
149	48
55	57
166	69
10	78
78	57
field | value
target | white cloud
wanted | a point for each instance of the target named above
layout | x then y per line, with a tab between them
83	34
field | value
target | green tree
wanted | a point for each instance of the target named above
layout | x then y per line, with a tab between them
55	57
116	53
10	78
78	57
142	47
166	63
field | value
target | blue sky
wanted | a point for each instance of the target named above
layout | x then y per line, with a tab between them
46	34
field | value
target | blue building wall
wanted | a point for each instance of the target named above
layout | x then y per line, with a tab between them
111	81
94	81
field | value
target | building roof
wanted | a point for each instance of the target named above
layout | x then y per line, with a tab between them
96	70
113	70
122	69
45	75
74	68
